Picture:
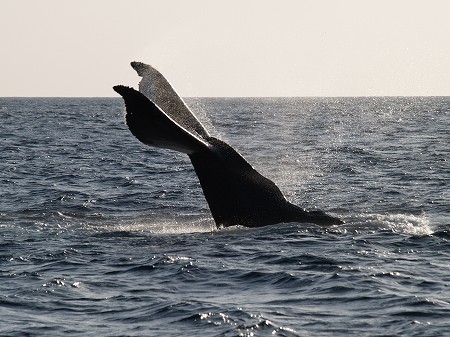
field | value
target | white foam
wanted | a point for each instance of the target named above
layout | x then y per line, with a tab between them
201	225
417	225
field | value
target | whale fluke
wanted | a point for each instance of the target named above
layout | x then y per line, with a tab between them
148	123
236	193
157	89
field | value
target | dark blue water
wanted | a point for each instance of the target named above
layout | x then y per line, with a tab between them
102	236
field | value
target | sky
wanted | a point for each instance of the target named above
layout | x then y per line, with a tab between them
81	48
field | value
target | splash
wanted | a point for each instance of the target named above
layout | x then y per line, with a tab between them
416	225
167	226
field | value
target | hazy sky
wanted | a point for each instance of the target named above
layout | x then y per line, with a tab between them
227	47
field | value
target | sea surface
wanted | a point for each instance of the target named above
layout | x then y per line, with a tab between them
103	236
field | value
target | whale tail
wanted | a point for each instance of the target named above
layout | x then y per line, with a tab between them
236	193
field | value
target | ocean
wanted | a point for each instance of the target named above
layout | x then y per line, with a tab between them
101	235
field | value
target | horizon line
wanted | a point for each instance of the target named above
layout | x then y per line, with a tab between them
189	97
